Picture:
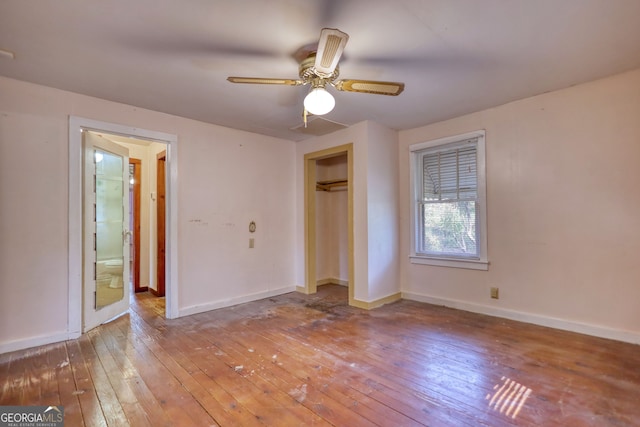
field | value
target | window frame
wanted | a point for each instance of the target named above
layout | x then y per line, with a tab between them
416	175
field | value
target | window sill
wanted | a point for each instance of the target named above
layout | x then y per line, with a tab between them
471	264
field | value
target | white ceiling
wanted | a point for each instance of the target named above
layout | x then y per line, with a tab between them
455	56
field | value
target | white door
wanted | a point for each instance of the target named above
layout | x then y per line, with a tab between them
106	232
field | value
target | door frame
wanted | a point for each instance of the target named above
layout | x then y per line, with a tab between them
76	126
310	163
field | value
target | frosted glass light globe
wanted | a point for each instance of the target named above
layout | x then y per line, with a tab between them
319	101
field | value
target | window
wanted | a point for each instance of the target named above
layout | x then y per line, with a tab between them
449	202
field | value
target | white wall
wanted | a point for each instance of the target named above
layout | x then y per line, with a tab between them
563	211
382	219
226	178
235	180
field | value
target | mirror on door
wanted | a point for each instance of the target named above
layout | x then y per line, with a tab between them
110	219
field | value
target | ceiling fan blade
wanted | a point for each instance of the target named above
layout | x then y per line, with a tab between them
330	47
370	86
265	81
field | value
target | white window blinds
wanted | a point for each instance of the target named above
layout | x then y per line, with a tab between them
450	174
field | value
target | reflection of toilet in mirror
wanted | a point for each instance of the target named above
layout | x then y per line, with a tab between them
109	272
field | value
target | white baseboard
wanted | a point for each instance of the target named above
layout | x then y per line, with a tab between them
201	308
332	281
22	344
552	322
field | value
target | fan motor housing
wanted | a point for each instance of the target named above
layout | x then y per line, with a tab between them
307	71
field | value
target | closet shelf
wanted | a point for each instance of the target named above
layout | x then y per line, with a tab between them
332	184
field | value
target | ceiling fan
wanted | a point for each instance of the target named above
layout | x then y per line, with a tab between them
319	68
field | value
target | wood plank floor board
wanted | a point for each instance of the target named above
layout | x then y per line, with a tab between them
135	413
627	346
67	388
264	399
85	391
116	341
6	376
364	378
130	351
111	407
39	379
413	369
379	365
250	394
562	366
168	350
538	354
315	378
189	360
180	405
472	370
296	391
231	363
328	360
218	402
326	373
313	360
316	374
11	378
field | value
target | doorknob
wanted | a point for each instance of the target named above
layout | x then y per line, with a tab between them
126	234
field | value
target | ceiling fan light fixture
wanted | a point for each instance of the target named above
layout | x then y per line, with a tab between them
319	102
319	68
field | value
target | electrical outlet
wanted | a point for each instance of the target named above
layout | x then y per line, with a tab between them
251	243
495	293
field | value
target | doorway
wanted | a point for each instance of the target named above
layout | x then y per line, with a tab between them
314	181
77	126
161	224
135	184
133	233
142	218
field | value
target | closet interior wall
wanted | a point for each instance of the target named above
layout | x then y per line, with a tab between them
332	222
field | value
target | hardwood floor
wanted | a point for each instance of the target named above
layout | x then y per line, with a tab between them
298	360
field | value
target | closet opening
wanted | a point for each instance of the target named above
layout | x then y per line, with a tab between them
329	219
